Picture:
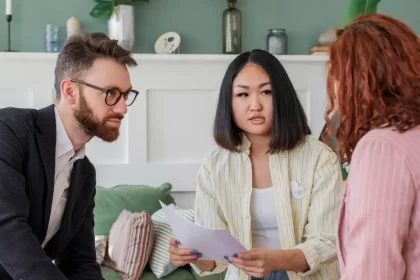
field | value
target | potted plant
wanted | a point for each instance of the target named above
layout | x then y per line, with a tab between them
120	15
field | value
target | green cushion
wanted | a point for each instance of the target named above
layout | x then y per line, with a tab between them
179	274
109	202
219	276
110	274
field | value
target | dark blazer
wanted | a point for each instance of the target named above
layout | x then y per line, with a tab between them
27	162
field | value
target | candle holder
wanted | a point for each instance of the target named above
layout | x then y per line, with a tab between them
9	20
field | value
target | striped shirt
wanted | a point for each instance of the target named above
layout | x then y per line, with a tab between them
306	222
379	228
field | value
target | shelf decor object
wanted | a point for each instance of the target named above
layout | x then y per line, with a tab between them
277	41
354	8
9	22
120	15
232	39
168	43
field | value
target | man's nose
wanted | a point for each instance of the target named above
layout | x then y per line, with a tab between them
120	107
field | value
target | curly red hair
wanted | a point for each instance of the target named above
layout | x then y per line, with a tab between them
373	80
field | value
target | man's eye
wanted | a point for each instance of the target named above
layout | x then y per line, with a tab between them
111	92
127	95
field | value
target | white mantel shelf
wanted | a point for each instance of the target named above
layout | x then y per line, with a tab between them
36	56
168	130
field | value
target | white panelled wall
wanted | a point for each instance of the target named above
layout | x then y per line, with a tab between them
168	130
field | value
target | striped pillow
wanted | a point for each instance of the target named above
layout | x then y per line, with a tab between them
159	262
130	244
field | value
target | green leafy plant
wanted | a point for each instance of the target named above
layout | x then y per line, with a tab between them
105	8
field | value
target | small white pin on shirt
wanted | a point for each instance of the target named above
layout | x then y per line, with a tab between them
298	192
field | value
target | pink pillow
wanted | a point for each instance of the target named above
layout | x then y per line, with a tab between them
130	244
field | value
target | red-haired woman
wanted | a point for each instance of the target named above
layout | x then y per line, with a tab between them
374	86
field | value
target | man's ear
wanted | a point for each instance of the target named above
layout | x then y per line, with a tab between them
68	91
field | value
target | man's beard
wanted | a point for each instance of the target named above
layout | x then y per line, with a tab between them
92	126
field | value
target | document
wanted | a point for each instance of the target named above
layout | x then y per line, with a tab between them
213	244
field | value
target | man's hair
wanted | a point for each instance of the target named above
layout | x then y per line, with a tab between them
80	51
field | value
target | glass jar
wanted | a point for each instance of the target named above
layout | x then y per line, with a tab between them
52	38
232	29
277	41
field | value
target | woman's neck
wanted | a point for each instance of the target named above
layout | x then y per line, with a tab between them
259	143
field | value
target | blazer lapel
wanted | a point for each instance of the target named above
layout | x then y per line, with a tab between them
46	136
77	181
279	169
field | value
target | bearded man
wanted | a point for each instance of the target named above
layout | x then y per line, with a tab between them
47	184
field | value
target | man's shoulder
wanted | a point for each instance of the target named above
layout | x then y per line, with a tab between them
89	164
91	171
15	111
17	117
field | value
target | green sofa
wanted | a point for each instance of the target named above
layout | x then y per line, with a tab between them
110	202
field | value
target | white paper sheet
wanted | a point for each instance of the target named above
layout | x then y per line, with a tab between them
213	244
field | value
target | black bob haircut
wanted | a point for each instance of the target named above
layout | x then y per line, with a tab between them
290	125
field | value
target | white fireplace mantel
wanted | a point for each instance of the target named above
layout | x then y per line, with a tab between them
168	130
41	56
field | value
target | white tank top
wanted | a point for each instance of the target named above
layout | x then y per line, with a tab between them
265	232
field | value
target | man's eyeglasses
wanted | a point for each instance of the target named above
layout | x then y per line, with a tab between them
113	95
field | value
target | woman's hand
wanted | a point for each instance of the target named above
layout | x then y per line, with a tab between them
256	262
259	262
181	256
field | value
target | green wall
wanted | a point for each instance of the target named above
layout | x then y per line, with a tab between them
198	21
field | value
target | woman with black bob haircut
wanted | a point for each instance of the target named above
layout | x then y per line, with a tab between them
289	124
272	185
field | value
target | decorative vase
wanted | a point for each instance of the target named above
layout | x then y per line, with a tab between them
232	41
121	26
277	41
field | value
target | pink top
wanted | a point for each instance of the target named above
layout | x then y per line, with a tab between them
379	227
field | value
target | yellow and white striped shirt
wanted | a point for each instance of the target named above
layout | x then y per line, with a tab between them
224	187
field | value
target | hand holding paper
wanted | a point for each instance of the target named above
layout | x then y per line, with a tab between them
212	244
